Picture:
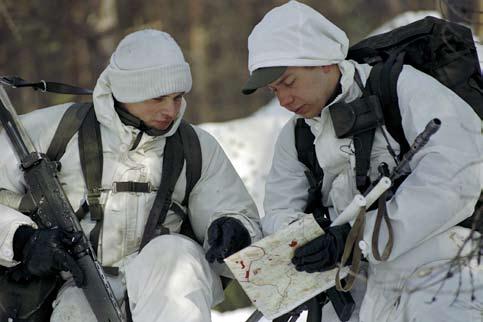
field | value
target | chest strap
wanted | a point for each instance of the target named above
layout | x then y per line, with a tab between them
81	117
133	186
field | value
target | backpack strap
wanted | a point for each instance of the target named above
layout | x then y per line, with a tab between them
315	175
193	157
91	159
362	149
172	166
363	141
382	82
68	126
387	91
343	302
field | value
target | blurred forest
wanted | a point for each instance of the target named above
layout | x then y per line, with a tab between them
71	41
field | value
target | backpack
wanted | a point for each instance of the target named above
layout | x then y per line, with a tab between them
184	145
442	49
439	48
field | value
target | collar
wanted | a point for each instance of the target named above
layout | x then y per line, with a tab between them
131	120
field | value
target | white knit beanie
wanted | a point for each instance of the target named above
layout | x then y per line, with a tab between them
147	64
294	34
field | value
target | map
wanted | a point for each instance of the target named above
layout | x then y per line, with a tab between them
270	280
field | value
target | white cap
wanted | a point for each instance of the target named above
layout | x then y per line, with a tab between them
147	64
295	35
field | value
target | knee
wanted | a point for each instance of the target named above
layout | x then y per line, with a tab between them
172	247
72	305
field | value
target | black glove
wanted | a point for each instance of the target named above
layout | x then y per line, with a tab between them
324	252
226	236
43	252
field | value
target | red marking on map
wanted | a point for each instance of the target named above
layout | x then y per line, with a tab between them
293	243
242	264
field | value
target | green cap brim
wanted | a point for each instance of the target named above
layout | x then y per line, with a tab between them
262	77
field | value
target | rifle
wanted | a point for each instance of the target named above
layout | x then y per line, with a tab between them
54	210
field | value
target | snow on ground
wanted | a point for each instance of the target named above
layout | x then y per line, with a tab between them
249	144
242	315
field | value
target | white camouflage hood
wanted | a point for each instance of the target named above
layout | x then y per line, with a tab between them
295	35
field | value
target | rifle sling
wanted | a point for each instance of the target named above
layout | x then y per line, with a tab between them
382	214
53	87
352	247
356	235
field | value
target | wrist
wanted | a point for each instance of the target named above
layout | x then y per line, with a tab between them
20	238
339	233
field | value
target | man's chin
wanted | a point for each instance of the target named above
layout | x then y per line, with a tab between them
160	125
309	113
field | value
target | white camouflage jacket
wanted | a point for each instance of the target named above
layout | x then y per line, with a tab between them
219	191
440	192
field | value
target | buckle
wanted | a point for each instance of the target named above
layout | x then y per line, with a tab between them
45	86
93	196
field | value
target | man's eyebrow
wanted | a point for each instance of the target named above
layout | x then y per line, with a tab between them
282	79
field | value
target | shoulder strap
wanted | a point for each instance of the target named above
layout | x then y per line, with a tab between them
91	159
193	157
304	144
68	126
172	166
383	83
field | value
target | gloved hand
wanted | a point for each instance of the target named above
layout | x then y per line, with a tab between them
44	253
226	236
322	253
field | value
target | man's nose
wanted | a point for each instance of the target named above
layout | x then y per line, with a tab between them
172	110
285	99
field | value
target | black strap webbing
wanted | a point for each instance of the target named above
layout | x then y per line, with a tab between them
389	99
172	166
53	87
362	148
91	158
192	154
304	144
81	117
68	126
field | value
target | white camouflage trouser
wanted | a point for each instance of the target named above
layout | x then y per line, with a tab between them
168	281
432	300
395	294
